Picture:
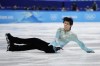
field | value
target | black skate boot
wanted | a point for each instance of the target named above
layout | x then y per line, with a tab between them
9	39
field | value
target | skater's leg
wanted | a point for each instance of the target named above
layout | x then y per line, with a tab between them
23	47
26	41
18	40
44	46
20	47
34	43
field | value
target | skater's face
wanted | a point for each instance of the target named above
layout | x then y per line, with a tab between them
67	26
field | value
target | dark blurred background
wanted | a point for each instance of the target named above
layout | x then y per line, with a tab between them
49	5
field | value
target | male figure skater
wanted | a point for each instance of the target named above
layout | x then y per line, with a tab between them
63	36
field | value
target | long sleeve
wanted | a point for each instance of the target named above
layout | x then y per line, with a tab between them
57	42
63	37
57	37
80	43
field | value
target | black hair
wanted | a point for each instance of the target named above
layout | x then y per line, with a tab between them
69	19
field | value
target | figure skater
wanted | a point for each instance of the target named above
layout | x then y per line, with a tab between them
63	37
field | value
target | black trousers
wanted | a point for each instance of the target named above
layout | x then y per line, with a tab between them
31	43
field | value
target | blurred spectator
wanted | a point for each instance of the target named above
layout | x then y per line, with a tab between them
74	7
77	9
88	8
91	9
94	6
63	9
1	7
14	7
53	8
39	8
27	8
34	7
47	8
61	6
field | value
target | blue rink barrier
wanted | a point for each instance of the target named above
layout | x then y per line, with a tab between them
21	16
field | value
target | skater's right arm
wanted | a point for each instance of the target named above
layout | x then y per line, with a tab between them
57	42
57	37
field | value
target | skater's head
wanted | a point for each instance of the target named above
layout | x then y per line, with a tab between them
68	22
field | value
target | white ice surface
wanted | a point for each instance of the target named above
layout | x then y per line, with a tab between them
72	55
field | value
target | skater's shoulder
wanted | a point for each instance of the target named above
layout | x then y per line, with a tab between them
60	28
72	33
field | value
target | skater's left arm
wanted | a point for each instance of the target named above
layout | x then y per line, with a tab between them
81	44
77	40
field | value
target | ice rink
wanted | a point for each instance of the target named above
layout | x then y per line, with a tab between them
72	55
